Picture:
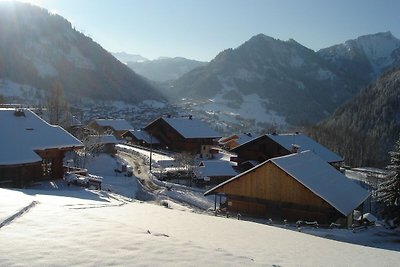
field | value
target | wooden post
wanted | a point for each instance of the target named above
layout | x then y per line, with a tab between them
215	202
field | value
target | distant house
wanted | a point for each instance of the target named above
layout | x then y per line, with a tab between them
102	143
31	149
115	127
300	186
184	134
274	145
214	171
140	137
235	140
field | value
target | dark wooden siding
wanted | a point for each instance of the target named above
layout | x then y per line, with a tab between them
20	175
260	149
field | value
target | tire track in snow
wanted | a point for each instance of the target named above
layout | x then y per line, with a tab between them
18	214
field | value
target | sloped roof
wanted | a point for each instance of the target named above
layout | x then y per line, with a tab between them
191	128
324	180
212	168
305	143
102	139
319	177
116	124
21	135
144	136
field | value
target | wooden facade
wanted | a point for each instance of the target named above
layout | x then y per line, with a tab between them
19	175
268	191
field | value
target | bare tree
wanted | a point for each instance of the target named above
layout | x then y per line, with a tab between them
57	106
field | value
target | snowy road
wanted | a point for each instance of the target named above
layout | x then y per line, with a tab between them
162	191
140	171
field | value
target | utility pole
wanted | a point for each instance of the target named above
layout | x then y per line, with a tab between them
151	149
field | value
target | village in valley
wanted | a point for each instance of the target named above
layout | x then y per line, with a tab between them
282	180
274	178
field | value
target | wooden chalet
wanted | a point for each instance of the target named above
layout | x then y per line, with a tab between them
31	149
116	127
269	146
235	140
184	134
300	186
140	138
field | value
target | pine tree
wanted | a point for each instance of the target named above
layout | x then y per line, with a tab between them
389	191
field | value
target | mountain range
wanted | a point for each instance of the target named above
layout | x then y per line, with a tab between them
164	69
288	79
40	49
264	82
126	57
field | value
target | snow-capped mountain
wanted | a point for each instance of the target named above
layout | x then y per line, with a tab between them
367	56
38	48
126	57
294	83
164	69
290	80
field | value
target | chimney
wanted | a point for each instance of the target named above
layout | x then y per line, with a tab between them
295	148
19	112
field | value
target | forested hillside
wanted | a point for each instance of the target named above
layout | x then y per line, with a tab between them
366	127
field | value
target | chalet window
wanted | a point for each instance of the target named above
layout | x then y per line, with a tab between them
46	166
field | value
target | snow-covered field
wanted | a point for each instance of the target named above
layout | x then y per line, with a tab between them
73	226
52	224
251	108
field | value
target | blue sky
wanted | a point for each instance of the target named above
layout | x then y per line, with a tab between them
200	29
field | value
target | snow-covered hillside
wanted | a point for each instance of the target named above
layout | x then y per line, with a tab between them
40	48
90	228
20	93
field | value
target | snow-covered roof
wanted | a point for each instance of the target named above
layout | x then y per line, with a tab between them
244	138
102	139
323	180
319	177
305	143
144	136
212	168
21	135
191	128
116	124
